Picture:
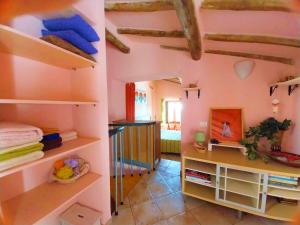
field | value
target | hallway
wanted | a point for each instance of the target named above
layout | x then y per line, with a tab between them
157	200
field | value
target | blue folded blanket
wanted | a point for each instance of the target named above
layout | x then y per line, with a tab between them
50	137
73	38
75	23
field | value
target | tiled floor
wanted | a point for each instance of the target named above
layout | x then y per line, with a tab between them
157	200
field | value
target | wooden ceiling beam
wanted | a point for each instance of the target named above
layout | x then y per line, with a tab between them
178	48
254	5
254	39
139	6
185	10
283	60
151	33
116	42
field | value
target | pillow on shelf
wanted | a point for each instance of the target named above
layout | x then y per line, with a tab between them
75	23
73	38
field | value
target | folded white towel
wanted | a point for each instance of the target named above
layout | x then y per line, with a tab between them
21	160
12	134
68	136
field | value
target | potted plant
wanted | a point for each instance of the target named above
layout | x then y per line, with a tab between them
271	129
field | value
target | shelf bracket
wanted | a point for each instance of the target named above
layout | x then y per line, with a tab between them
292	88
198	93
187	93
272	89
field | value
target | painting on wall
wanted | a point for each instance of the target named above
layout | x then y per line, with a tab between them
226	125
140	97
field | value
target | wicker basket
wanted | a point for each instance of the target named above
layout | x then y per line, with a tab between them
84	170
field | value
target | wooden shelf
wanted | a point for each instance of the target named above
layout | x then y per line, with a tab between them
242	200
45	102
242	188
199	191
191	89
241	176
66	148
295	195
294	81
201	167
284	188
32	206
20	44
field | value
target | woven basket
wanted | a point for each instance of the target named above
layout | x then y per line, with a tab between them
85	169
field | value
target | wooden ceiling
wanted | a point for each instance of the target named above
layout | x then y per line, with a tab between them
186	14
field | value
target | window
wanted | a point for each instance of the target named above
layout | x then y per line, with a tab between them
173	111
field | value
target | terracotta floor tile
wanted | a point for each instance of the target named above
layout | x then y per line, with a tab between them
174	183
208	214
146	213
159	189
125	217
183	219
139	194
171	205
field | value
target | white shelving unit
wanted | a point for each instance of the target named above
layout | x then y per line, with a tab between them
17	43
35	200
239	183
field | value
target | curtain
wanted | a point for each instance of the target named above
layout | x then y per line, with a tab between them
163	111
130	101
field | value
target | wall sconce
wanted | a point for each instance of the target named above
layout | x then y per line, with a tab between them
244	68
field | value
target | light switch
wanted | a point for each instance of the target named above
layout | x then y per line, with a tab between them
203	124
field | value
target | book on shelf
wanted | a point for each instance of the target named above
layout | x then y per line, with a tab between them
271	176
198	177
278	184
198	180
291	182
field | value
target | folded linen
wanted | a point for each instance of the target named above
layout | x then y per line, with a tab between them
50	144
50	137
21	151
14	148
21	160
68	136
13	134
69	139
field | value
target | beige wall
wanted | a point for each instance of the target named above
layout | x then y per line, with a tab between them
163	90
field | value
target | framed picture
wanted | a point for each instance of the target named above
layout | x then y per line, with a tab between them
226	124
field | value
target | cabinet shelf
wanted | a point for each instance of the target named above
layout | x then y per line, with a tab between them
201	167
241	176
32	206
242	188
198	191
20	44
45	102
281	193
66	148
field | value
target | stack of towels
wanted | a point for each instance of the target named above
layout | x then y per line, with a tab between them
51	141
19	144
74	30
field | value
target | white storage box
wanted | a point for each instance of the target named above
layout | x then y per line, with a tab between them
80	215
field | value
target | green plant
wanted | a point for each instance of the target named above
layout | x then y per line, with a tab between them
269	129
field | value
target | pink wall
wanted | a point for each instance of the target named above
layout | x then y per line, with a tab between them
216	77
116	99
